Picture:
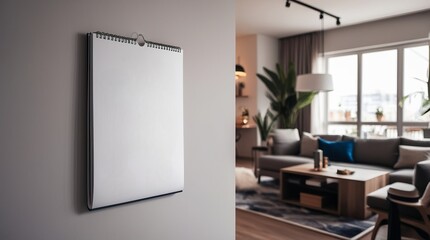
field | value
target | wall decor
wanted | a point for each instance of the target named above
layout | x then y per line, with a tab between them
135	119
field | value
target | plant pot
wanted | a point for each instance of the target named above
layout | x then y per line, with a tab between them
347	115
379	118
263	143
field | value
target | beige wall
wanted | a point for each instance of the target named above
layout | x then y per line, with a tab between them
43	119
393	30
254	52
246	54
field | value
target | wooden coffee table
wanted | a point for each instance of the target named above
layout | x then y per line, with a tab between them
343	195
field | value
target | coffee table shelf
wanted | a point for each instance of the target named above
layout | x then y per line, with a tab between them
328	192
345	195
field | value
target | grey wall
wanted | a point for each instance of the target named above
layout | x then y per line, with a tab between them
43	112
398	29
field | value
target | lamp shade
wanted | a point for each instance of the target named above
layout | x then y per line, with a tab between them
316	82
240	71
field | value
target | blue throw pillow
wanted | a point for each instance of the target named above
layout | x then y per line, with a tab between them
337	151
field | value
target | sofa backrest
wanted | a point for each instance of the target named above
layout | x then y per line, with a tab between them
417	143
382	152
422	175
330	137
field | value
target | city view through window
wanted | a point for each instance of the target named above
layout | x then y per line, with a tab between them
369	90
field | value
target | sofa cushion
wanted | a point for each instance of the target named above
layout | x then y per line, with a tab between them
341	151
382	152
409	156
286	142
308	145
378	200
275	163
402	175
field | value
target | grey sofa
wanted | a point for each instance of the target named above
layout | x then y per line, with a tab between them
380	154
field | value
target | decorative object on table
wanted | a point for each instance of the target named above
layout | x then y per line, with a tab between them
379	114
325	162
244	116
318	156
264	125
345	172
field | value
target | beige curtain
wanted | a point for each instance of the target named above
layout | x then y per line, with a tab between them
303	51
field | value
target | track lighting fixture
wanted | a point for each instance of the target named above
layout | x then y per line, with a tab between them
288	4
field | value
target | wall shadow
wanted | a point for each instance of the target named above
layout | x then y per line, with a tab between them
80	125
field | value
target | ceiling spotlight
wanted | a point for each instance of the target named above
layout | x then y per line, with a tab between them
322	12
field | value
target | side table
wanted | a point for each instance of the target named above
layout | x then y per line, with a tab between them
255	153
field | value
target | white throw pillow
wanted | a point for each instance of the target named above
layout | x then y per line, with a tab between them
245	179
409	156
308	145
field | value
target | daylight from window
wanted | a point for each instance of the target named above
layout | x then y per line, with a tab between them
370	88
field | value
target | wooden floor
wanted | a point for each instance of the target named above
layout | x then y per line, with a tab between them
251	226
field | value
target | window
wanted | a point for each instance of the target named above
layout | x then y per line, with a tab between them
415	81
379	91
343	102
369	87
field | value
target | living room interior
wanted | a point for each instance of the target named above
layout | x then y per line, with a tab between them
378	57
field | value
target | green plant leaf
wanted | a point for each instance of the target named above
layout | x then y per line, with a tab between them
304	99
284	101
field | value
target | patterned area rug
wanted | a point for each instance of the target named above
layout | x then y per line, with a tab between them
265	200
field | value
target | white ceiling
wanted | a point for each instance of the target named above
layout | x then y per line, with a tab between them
272	18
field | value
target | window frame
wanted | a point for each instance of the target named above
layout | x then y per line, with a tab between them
400	124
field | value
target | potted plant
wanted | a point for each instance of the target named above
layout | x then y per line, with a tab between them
284	100
264	124
425	104
379	114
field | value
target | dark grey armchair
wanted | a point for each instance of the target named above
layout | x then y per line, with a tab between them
416	214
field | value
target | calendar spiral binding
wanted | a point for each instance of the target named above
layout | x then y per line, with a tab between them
131	40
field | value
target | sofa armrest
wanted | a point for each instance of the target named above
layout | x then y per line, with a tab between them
422	175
